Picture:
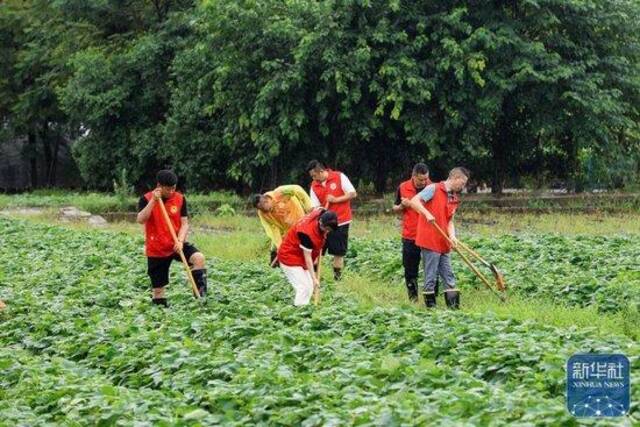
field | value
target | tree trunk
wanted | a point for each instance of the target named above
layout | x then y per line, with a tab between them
575	182
32	152
54	162
274	172
333	145
46	149
500	147
499	163
382	161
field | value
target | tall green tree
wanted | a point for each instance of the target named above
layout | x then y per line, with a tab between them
119	94
241	94
36	43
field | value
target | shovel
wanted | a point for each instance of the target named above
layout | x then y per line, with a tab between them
498	276
194	288
473	268
316	289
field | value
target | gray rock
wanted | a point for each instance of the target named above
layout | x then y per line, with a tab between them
97	221
71	213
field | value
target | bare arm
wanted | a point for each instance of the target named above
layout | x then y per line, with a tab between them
404	204
184	229
348	196
145	214
309	263
397	208
416	205
451	231
347	187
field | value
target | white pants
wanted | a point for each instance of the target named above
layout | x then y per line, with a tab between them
302	283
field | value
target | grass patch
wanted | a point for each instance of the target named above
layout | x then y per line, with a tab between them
562	223
374	292
98	203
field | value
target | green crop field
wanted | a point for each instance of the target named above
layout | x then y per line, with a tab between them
529	110
81	345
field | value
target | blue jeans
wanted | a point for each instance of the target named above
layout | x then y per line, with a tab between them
437	264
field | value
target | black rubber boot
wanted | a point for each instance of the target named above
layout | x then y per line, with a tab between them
412	290
452	298
160	301
337	273
430	299
200	277
437	288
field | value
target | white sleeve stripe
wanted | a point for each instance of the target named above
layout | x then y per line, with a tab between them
347	186
315	202
304	248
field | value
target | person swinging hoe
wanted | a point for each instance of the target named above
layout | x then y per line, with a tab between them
437	204
160	247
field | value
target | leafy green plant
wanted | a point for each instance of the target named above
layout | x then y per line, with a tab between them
580	270
123	190
225	210
81	345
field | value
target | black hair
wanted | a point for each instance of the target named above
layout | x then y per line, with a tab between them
420	169
315	164
166	178
254	200
329	219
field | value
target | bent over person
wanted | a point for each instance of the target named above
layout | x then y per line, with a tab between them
437	204
160	247
300	250
279	210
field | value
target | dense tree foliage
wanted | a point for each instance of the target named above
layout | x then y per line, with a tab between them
241	93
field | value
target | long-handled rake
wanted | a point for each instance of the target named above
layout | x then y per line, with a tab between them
194	288
500	284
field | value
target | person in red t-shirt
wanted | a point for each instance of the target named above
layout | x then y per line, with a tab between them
333	190
410	252
437	203
300	249
160	247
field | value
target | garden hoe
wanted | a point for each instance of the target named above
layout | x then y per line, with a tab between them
498	276
194	288
500	284
316	289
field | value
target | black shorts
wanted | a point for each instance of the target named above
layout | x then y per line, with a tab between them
338	241
158	267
